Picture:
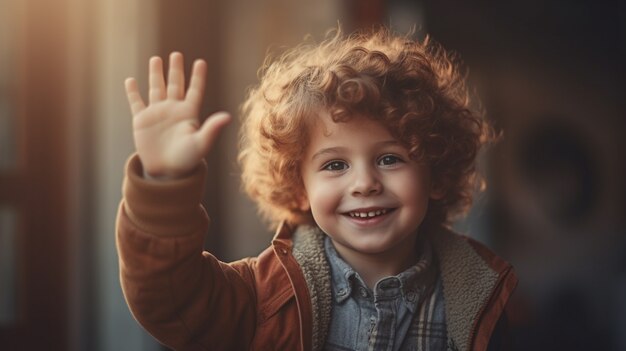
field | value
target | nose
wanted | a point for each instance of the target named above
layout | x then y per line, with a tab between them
366	182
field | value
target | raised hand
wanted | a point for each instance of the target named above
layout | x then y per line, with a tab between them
168	136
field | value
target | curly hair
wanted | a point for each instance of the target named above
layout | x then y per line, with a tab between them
415	89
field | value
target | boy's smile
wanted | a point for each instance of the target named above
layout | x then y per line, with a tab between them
363	189
369	216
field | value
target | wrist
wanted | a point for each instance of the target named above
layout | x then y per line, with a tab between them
163	176
163	207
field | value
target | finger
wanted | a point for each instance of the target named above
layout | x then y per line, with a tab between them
197	82
134	98
157	81
176	77
210	130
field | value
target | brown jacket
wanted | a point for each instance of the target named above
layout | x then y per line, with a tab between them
280	300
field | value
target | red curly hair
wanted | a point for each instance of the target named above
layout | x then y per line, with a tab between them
415	89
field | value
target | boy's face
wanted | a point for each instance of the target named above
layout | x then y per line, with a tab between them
362	188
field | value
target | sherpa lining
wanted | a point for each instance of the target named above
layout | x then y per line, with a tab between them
467	285
308	243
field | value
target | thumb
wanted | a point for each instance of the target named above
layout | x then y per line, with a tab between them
210	130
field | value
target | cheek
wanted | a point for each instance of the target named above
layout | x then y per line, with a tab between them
323	197
414	189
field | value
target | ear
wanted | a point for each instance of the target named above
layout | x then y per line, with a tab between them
437	191
303	203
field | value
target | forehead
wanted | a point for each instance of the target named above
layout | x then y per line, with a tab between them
325	128
357	134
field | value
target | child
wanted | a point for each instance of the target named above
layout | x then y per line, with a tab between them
359	150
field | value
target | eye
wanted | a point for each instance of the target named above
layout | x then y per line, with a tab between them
388	160
335	166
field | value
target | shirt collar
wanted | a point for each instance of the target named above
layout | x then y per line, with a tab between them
413	281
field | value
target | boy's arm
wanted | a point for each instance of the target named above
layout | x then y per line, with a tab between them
186	298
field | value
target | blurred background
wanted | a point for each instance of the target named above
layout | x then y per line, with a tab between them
551	75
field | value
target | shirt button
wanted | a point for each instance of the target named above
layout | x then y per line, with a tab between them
411	296
283	251
363	292
341	292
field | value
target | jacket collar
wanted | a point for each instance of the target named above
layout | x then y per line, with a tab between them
468	283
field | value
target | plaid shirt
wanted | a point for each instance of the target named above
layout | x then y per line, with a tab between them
402	313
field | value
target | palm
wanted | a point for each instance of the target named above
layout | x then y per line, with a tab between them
167	143
169	139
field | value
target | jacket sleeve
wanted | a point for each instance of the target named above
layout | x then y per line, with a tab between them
184	297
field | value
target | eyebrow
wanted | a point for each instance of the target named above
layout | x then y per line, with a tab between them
337	149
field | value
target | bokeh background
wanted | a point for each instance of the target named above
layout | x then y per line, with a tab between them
551	75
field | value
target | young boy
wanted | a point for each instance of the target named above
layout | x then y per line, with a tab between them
358	150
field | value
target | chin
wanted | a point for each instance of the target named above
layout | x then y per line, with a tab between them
370	249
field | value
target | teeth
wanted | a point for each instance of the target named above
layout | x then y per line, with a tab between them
367	214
